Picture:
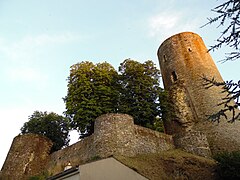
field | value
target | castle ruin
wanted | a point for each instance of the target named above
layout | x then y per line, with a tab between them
115	134
184	60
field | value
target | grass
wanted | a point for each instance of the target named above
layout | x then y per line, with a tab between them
174	164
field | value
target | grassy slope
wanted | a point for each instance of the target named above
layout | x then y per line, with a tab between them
174	164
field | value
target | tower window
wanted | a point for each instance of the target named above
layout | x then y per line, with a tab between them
190	49
164	58
174	76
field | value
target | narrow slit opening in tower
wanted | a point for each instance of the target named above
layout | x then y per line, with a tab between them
189	49
174	76
164	58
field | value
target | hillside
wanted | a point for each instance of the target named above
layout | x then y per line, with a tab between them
173	164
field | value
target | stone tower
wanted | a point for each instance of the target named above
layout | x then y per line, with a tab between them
184	61
27	157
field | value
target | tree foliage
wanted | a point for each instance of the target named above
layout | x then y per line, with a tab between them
228	18
51	125
96	89
140	89
233	93
91	92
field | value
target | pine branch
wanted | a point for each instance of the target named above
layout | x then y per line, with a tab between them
233	94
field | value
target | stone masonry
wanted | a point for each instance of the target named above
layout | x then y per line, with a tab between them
27	156
115	134
184	61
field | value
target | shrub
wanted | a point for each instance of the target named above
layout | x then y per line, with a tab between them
228	165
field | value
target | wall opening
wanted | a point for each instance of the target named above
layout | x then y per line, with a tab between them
190	49
174	76
164	58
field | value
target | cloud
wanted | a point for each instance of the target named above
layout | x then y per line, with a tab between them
162	23
168	23
28	47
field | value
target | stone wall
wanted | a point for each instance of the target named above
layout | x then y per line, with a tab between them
114	134
27	156
148	141
183	116
76	154
194	142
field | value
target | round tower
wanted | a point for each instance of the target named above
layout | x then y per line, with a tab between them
184	61
113	134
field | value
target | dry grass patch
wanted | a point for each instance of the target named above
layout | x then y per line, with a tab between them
174	164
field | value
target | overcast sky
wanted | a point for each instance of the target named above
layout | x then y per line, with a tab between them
40	40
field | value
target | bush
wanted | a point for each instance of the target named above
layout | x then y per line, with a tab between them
229	165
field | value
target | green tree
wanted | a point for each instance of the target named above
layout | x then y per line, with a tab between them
227	17
51	125
96	89
92	91
140	90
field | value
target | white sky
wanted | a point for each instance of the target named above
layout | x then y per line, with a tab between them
40	40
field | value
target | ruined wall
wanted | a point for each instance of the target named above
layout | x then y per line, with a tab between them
27	157
184	58
183	114
114	134
76	154
149	141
